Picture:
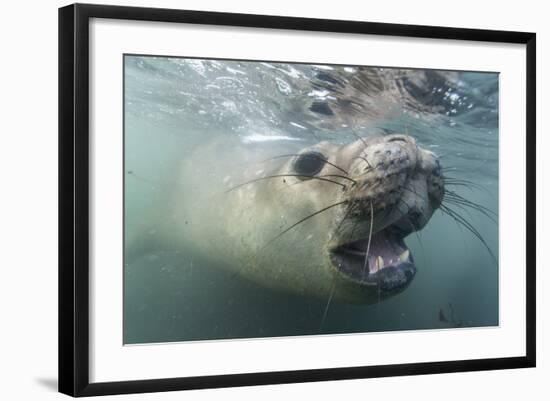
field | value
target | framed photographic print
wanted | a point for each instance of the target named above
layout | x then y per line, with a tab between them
250	199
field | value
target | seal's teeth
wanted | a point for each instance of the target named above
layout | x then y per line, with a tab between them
379	262
404	257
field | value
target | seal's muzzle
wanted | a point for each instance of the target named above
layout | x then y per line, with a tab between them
396	188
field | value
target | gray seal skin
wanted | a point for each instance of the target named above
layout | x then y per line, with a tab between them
304	220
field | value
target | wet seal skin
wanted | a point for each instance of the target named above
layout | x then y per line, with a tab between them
326	220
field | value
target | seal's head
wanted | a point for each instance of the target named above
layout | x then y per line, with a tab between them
388	188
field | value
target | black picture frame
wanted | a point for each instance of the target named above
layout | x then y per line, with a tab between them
74	198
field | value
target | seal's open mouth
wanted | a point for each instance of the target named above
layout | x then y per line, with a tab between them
389	264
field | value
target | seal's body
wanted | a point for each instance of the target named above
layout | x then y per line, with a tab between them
325	220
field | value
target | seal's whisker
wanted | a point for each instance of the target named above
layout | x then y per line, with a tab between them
478	208
352	232
325	313
464	203
286	175
377	218
460	184
459	205
449	178
323	176
368	242
468	183
364	159
311	155
458	200
348	211
455	196
465	223
454	182
454	179
338	176
459	219
458	225
302	220
366	146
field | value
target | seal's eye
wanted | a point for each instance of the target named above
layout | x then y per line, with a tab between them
309	163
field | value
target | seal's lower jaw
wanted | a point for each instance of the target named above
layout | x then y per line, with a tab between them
389	266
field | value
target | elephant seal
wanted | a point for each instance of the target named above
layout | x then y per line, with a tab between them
327	220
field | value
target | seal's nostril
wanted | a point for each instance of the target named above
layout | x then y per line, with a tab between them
414	215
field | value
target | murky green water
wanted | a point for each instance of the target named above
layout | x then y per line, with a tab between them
173	106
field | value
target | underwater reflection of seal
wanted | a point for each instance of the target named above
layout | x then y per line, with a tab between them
326	220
